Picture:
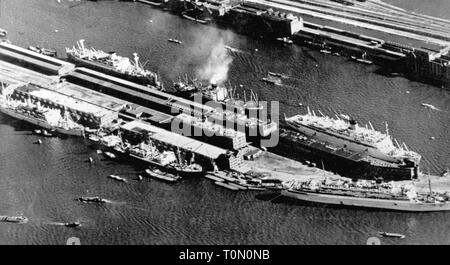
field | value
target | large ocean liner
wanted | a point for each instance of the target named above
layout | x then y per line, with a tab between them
112	64
349	149
367	194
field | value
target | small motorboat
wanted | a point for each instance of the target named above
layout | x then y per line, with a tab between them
175	41
47	134
270	81
13	219
37	131
90	160
325	51
3	32
139	177
386	234
39	141
99	152
275	74
92	200
72	224
115	177
285	40
110	155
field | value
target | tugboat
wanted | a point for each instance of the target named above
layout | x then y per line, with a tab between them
92	200
13	219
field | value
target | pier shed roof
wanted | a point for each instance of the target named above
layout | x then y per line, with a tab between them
175	139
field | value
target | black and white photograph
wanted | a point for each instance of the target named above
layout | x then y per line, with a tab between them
245	123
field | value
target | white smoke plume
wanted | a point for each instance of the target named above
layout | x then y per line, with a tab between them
215	70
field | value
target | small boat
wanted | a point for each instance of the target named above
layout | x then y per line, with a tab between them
139	177
386	234
429	106
3	32
34	49
37	131
39	141
325	51
99	152
158	174
285	40
43	51
269	81
110	155
48	52
446	173
275	74
13	219
175	41
92	200
47	134
115	177
91	160
72	224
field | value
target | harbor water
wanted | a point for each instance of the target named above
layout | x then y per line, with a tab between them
42	181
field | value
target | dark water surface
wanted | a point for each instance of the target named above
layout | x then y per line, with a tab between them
42	182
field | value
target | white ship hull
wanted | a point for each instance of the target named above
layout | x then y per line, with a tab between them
382	204
41	123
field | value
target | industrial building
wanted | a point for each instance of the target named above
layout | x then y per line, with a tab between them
207	155
209	132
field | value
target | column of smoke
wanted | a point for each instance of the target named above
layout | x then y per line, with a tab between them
215	70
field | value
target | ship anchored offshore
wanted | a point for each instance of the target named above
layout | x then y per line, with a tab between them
387	158
113	64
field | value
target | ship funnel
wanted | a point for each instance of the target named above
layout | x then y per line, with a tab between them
81	43
353	124
136	60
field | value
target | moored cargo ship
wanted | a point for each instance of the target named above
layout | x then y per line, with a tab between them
112	64
359	149
367	194
47	118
